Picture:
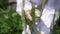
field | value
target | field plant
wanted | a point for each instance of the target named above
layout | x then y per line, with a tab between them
10	22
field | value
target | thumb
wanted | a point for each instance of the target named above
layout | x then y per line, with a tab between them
28	14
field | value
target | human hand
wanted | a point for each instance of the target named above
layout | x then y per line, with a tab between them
27	13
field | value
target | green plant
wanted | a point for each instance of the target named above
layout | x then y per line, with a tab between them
3	4
10	22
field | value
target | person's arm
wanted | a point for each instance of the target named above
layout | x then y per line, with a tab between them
27	6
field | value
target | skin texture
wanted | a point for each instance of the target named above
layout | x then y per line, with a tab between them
28	14
37	14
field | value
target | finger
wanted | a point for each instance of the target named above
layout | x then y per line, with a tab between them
37	13
29	16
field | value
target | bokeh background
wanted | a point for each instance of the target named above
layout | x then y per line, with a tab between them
10	20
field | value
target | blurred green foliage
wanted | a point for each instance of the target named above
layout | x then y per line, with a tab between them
58	24
10	22
3	4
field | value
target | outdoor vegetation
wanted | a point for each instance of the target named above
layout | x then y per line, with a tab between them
10	20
